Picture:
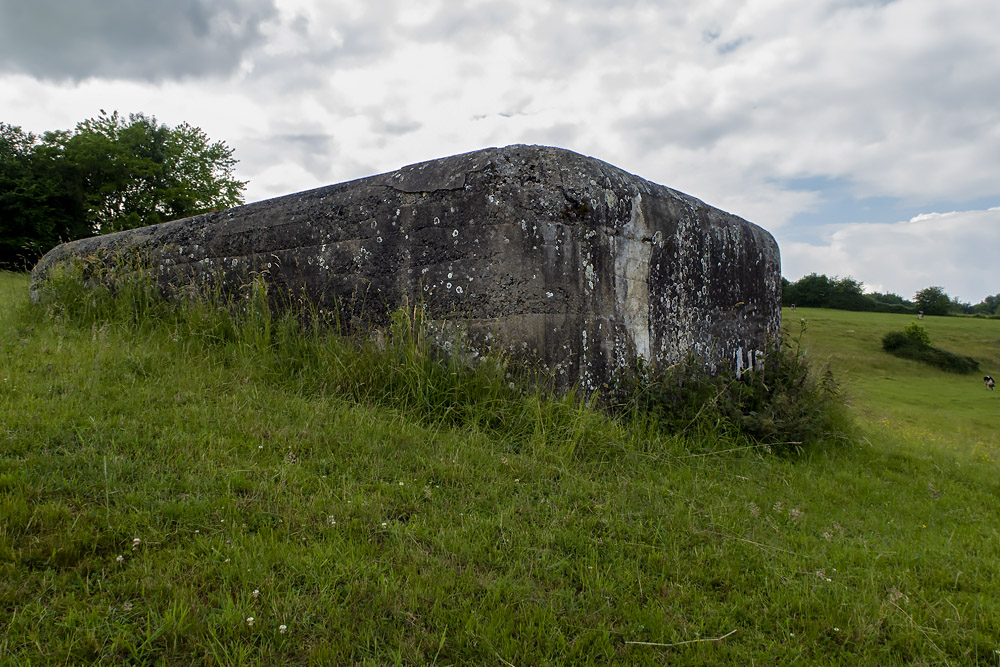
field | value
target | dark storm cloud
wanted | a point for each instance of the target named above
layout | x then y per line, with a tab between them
128	39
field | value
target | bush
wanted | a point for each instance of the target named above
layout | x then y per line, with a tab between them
914	343
782	404
917	334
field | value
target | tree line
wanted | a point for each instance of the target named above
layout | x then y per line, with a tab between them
108	174
819	291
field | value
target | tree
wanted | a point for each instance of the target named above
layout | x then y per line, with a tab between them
138	172
959	307
41	199
889	298
110	173
987	306
932	301
848	294
811	290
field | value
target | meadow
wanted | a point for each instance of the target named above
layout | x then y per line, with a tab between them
199	492
955	412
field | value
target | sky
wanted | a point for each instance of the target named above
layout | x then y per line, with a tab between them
863	134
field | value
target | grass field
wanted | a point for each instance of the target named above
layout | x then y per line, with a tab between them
954	412
174	496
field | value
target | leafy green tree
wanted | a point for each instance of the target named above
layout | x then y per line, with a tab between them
41	199
138	172
110	173
809	291
819	291
932	301
848	294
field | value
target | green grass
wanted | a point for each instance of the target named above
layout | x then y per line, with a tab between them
951	412
405	526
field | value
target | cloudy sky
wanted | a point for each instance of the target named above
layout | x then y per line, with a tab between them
863	134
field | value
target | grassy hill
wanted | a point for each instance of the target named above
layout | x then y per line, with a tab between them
954	412
174	496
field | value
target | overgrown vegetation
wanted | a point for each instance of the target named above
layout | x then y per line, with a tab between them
190	487
780	404
915	343
297	347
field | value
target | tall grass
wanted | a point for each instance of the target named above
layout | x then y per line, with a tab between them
289	342
165	480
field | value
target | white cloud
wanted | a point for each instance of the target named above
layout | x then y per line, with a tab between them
955	250
724	99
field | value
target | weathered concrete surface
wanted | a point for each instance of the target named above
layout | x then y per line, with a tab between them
538	251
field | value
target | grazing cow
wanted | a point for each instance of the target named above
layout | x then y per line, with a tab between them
989	382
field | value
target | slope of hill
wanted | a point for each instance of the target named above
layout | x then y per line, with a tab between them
168	498
956	412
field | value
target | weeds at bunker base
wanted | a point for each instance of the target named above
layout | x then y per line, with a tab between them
779	404
541	254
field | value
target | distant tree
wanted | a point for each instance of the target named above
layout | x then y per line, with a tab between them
932	301
810	291
848	294
988	306
959	307
889	298
890	303
819	291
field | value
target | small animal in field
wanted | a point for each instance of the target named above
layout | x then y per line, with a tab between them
990	382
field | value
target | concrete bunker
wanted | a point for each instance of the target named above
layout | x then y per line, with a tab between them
545	254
